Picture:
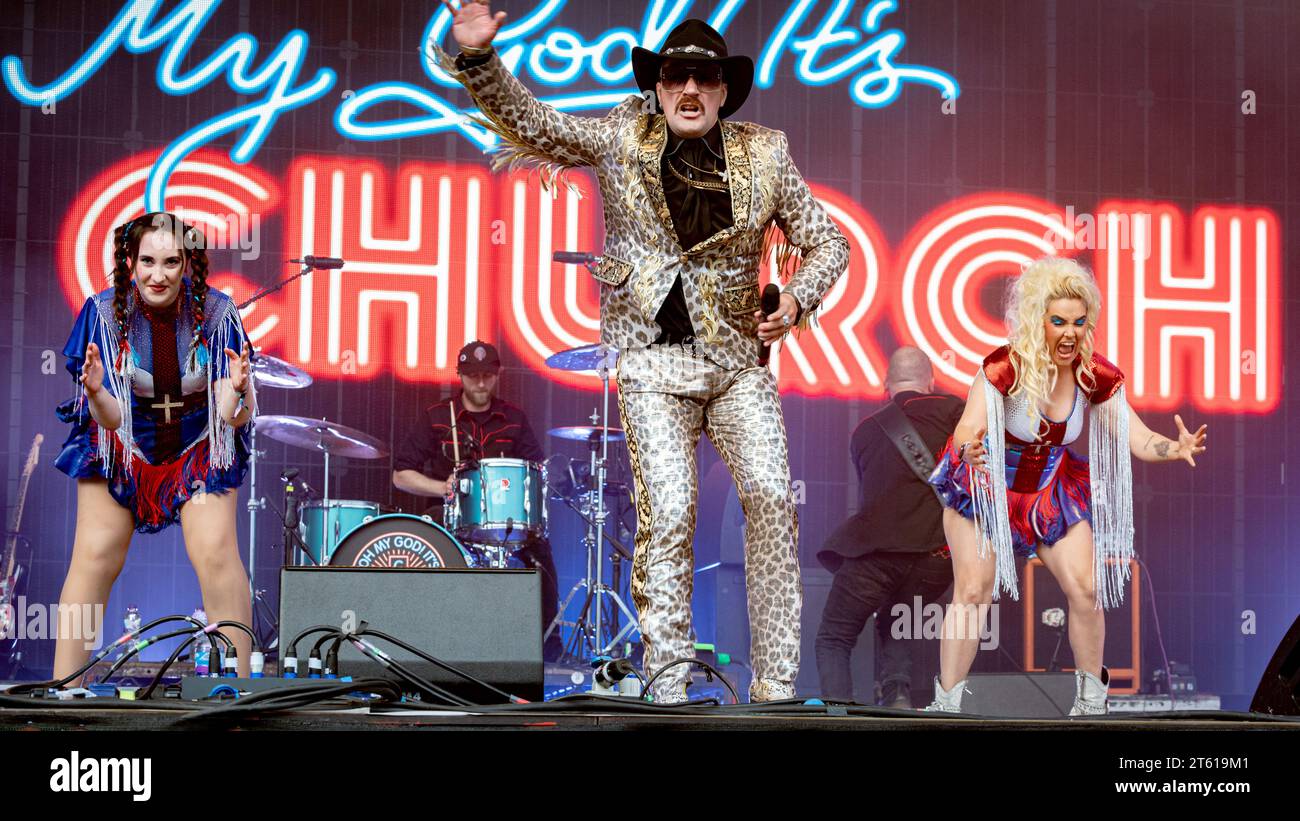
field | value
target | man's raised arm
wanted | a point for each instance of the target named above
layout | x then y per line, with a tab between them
531	131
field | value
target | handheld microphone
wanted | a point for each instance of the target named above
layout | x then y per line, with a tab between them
574	257
770	302
319	263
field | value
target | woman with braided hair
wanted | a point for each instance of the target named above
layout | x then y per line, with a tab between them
159	424
1011	487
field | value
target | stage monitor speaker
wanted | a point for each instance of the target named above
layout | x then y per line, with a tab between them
485	622
1123	628
1279	688
1019	695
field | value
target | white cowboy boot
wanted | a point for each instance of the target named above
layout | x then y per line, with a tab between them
1090	693
946	701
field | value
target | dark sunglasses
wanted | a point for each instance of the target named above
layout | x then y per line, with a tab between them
707	76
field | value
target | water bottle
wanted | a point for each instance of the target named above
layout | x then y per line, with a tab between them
131	621
202	646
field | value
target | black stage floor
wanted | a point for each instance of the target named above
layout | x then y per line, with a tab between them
584	713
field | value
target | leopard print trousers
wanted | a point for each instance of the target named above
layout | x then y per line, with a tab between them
668	394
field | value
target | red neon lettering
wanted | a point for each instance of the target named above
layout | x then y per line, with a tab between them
546	307
439	254
411	293
946	266
1193	317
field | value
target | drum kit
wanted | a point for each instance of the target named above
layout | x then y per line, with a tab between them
493	508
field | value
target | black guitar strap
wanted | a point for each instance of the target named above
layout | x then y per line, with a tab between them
908	441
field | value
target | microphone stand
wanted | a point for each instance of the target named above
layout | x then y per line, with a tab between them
306	269
256	502
292	538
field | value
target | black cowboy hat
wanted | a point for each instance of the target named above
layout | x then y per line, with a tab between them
697	41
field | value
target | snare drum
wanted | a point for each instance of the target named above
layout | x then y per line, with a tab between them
324	528
498	500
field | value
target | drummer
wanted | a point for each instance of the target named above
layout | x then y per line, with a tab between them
487	427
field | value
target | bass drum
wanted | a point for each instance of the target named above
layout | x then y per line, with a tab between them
400	541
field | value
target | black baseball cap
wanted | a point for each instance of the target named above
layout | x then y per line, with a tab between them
478	357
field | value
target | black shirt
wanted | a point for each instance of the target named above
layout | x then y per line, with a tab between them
897	512
501	431
697	214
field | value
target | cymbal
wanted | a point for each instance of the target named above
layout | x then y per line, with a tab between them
276	373
584	358
320	435
585	433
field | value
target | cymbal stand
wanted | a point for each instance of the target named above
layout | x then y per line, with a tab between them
255	503
328	516
588	627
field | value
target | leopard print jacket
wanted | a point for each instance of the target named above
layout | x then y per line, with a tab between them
642	255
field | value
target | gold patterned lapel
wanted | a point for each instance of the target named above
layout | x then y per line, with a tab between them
650	153
739	183
739	179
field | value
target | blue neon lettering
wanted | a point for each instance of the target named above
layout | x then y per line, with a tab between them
130	30
831	51
878	86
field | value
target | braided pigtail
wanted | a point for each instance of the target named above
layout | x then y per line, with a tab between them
197	257
121	287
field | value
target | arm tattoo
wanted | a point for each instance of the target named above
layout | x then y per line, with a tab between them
1162	449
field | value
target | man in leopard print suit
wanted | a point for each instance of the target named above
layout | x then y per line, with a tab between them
689	201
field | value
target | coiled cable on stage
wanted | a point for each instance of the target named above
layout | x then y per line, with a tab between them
369	631
295	697
709	671
385	661
139	646
123	641
211	630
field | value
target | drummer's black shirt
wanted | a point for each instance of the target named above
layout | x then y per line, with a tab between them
501	431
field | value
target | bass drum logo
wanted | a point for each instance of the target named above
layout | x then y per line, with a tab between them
399	541
405	550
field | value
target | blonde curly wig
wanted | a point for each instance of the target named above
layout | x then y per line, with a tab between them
1042	281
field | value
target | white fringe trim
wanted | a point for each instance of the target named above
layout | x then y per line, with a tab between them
989	497
1110	475
120	382
221	434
